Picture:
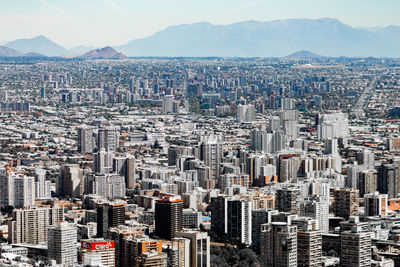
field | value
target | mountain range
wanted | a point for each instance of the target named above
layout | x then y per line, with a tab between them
279	38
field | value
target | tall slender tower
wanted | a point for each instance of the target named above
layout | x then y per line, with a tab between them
168	217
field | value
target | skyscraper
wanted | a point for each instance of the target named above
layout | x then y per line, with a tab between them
309	248
278	245
355	247
62	244
168	217
31	225
346	203
199	247
211	153
108	139
239	220
16	190
42	186
109	214
332	125
85	139
219	215
287	200
245	113
70	181
375	204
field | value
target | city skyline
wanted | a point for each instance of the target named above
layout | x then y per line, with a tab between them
111	22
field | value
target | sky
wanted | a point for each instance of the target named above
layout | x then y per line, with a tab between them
115	22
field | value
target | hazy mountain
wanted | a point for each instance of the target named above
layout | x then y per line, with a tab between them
304	55
79	50
103	53
39	44
278	38
9	52
33	54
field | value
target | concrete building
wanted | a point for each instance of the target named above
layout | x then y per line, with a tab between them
108	139
245	113
375	204
309	248
278	245
355	247
287	200
31	225
104	248
62	239
199	247
346	202
71	181
85	140
16	190
332	125
42	186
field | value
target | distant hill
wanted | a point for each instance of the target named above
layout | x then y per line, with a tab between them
9	52
39	44
303	55
103	53
79	50
33	54
328	37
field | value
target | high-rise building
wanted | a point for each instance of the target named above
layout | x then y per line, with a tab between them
389	179
375	204
168	217
120	234
211	154
245	113
42	187
258	218
239	220
355	247
288	200
167	104
278	245
108	139
332	125
31	225
109	214
367	182
125	166
199	247
71	181
317	208
331	146
367	158
289	123
103	162
219	215
62	248
16	189
110	186
346	202
85	140
24	191
268	142
135	246
309	248
104	248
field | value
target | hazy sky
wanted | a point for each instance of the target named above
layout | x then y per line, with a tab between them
114	22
